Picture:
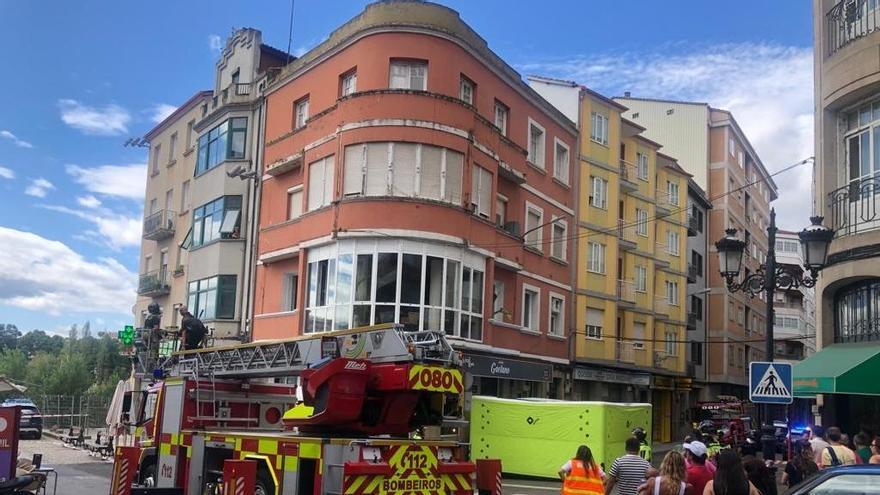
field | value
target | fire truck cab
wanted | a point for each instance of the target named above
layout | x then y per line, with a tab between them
345	428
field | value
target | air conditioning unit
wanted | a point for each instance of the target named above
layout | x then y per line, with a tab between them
512	228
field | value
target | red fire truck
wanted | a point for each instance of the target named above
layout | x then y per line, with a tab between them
363	393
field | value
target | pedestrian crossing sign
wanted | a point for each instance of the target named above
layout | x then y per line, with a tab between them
770	383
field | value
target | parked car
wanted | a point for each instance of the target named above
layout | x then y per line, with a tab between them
31	422
859	479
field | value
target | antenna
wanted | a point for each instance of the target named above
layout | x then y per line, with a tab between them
290	30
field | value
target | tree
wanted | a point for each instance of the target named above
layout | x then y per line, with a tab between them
86	330
9	334
38	341
73	333
13	364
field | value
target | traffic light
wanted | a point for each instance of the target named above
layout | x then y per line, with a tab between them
126	335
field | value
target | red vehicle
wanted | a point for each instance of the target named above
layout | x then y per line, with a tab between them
728	419
362	393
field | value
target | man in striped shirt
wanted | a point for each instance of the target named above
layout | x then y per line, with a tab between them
627	472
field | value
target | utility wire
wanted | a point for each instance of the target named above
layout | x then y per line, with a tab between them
708	341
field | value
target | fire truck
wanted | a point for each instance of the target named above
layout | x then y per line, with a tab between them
345	413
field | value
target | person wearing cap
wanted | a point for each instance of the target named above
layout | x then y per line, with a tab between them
698	474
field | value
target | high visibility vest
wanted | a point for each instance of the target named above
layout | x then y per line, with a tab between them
582	480
645	452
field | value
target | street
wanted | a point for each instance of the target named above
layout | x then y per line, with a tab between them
78	473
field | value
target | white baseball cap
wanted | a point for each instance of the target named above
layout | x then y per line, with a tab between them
696	447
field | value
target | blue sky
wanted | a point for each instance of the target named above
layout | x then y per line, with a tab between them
83	77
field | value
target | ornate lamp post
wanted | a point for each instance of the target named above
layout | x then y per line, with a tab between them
815	241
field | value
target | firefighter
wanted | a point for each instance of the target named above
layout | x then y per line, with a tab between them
152	333
192	330
644	445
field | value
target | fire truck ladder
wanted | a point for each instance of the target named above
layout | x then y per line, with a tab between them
274	358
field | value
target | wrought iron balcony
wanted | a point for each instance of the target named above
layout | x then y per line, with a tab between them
692	321
693	225
664	203
854	207
692	273
850	20
626	235
154	283
626	291
628	176
159	225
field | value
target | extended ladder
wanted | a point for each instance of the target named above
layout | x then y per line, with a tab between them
273	358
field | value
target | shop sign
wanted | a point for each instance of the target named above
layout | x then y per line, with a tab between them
610	376
514	369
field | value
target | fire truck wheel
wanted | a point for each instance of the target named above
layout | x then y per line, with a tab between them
264	484
148	475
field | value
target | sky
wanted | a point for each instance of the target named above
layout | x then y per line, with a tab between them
83	77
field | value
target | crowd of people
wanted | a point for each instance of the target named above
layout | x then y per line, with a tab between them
693	470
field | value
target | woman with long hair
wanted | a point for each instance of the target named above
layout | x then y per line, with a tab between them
671	479
759	474
730	477
801	466
875	451
582	475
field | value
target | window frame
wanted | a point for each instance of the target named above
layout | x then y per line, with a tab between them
157	151
561	314
324	201
291	192
672	292
673	242
673	191
535	312
194	298
540	159
599	197
642	224
466	82
501	205
201	212
563	173
642	157
556	221
231	128
301	119
596	265
599	128
503	111
596	335
537	230
477	190
345	77
644	286
172	148
410	64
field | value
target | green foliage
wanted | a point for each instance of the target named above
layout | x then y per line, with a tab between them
75	365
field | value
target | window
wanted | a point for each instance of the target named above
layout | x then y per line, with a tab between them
672	242
354	284
537	138
154	205
224	142
740	319
189	133
787	322
184	197
595	321
731	147
557	315
641	279
157	150
642	222
638	335
672	192
418	170
599	195
301	113
320	192
501	115
558	238
294	202
172	148
481	191
348	83
534	228
531	308
500	210
740	158
739	358
599	128
697	307
697	353
288	294
498	300
672	292
219	219
595	257
697	261
169	199
671	346
409	75
466	90
788	246
561	160
212	298
698	215
642	166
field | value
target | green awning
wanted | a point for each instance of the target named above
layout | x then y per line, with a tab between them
839	369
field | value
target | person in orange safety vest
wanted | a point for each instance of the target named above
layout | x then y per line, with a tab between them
581	475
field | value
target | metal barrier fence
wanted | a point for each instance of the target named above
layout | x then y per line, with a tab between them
65	411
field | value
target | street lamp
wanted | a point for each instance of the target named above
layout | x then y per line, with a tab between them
815	241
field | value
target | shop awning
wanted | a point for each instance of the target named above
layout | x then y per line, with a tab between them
839	369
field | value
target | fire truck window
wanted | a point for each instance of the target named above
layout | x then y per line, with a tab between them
149	407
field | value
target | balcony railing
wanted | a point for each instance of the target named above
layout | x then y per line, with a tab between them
159	225
661	306
154	283
628	175
627	235
625	352
692	321
850	20
693	225
664	202
854	207
692	273
626	291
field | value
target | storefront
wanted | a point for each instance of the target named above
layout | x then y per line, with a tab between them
603	384
510	378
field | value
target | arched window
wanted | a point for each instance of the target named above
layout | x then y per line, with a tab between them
857	312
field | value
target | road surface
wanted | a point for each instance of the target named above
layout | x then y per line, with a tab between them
77	472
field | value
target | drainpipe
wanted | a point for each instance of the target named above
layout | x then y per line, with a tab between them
254	219
573	306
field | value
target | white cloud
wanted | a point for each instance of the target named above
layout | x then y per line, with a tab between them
12	137
6	173
41	274
88	201
161	111
215	43
109	120
126	181
39	188
115	230
768	88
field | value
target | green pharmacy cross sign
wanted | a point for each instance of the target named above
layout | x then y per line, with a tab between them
126	335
